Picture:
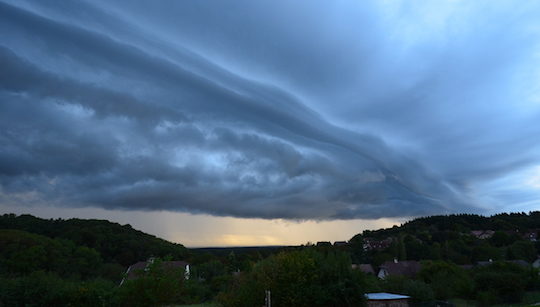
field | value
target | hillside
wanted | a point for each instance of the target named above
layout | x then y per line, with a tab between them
520	222
462	239
79	262
114	242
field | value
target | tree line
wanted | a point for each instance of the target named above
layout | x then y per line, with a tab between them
79	262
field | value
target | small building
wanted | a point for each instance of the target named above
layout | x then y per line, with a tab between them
483	234
531	236
536	263
378	245
399	268
341	243
383	299
364	267
324	244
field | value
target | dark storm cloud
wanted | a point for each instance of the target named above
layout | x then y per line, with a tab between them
138	106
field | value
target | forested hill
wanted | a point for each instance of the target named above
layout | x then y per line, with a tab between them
115	243
516	222
462	239
484	260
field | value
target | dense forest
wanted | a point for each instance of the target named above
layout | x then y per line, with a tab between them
459	258
451	238
120	244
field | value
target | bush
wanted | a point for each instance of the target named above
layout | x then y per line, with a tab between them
48	289
418	290
160	286
505	281
447	280
299	278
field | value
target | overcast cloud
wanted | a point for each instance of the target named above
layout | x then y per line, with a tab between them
281	109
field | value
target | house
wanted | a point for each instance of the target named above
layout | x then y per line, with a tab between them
399	268
484	263
323	243
365	267
536	263
522	263
482	234
383	299
531	236
374	244
340	243
135	270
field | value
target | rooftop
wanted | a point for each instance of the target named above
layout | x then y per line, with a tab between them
385	296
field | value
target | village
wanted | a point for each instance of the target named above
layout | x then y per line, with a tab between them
387	270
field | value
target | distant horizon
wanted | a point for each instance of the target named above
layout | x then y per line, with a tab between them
219	232
142	227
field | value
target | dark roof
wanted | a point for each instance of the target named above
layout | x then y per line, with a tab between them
484	263
175	264
531	235
136	269
366	268
324	243
518	262
405	268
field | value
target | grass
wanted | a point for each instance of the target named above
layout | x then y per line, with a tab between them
529	299
463	303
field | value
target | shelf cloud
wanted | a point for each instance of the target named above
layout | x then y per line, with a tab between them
304	110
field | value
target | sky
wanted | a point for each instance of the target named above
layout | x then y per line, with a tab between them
220	123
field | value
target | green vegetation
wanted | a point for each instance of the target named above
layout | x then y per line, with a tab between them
115	243
73	262
475	258
81	263
449	238
299	278
160	286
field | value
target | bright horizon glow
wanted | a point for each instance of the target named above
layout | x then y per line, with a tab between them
200	230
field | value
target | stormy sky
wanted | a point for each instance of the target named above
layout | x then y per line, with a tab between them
270	110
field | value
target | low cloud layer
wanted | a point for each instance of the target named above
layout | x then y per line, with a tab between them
305	110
